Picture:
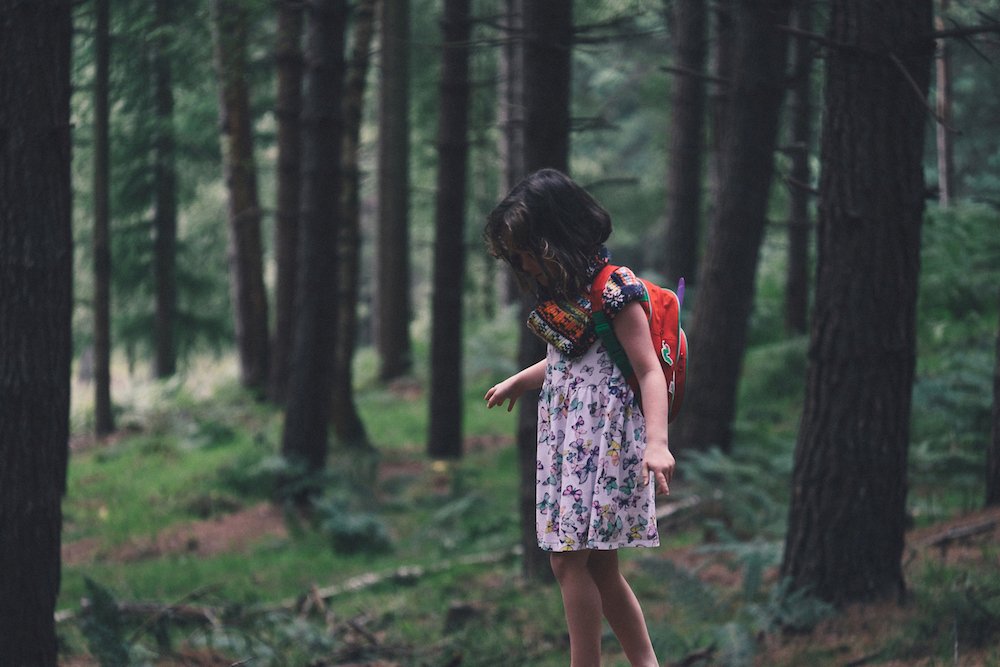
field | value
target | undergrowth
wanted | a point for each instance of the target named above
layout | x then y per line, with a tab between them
194	450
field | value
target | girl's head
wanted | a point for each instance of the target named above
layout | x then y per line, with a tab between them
549	229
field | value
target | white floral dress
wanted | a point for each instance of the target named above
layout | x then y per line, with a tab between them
591	441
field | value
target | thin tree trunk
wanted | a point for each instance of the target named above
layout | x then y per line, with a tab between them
444	439
797	273
246	263
104	421
307	416
687	141
346	421
165	205
288	57
993	452
548	47
727	275
36	301
847	515
945	140
510	119
392	299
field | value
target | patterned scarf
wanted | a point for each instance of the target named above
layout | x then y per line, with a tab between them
566	324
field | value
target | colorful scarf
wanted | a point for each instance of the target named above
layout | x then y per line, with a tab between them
566	324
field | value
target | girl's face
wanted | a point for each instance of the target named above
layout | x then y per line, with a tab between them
526	262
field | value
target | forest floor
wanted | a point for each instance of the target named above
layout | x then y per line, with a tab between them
856	636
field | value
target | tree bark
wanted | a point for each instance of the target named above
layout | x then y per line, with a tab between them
346	421
548	48
165	204
945	140
797	273
687	141
993	451
720	97
307	416
444	438
104	421
727	275
36	295
847	515
392	300
288	107
246	264
510	119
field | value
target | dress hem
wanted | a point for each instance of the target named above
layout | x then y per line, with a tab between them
555	548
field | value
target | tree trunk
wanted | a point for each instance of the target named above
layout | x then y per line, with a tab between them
246	264
727	276
36	256
165	204
797	273
510	119
104	421
687	141
847	515
444	439
993	452
346	422
548	49
288	107
307	416
720	97
392	299
945	140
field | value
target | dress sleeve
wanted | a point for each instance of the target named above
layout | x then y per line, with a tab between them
623	286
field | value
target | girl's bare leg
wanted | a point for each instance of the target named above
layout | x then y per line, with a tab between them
582	604
621	608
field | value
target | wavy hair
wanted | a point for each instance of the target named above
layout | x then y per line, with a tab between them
554	220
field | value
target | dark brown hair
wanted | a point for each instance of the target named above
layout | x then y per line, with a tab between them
552	218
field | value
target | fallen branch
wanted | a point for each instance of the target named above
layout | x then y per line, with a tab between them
704	655
314	599
401	575
945	539
667	510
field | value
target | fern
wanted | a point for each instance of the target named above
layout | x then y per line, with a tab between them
103	627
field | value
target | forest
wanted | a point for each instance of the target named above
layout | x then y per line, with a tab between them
248	318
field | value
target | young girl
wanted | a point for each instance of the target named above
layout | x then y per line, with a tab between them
602	456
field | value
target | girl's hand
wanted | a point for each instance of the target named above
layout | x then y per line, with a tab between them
658	463
512	388
503	391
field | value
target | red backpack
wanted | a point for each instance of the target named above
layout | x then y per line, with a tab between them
663	308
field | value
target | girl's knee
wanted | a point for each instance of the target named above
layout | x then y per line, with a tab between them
567	564
603	567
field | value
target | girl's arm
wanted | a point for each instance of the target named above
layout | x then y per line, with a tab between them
632	329
531	377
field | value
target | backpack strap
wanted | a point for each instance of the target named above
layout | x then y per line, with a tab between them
602	326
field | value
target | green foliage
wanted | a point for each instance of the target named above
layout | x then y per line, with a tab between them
957	609
790	609
104	628
742	500
960	272
957	325
695	609
772	386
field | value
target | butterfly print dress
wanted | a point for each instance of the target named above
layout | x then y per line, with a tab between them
591	440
